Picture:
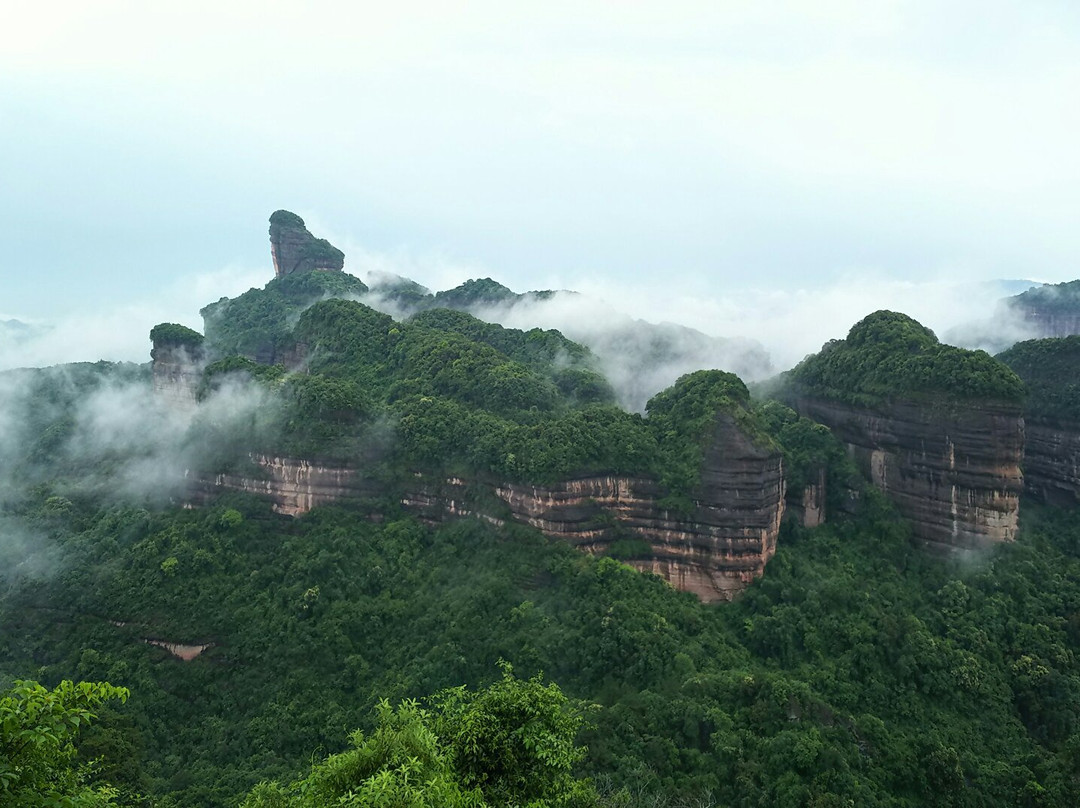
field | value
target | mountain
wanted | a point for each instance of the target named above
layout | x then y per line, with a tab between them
1052	310
313	507
16	333
639	358
937	428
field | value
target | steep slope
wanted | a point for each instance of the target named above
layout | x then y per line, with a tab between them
1051	370
711	541
450	415
295	250
177	359
937	428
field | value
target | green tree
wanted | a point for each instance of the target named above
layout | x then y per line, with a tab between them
38	728
509	744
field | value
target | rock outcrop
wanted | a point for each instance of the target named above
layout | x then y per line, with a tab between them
294	249
1052	462
715	550
177	361
952	469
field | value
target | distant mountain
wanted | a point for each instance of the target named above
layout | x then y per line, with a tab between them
639	358
16	331
1006	323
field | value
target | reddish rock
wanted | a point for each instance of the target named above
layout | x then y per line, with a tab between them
714	551
294	249
952	469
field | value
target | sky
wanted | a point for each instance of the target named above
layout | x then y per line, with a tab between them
773	169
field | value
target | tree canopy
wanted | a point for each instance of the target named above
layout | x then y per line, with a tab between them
38	731
888	355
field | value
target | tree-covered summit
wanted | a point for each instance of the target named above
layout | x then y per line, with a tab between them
174	335
258	323
888	356
286	218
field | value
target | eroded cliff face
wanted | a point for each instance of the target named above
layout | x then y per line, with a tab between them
954	471
807	504
294	249
176	375
714	551
1052	462
1041	321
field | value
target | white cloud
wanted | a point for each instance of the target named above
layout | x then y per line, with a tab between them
122	332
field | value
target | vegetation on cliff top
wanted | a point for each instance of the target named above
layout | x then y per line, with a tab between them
174	335
465	396
286	218
889	356
1050	368
1054	298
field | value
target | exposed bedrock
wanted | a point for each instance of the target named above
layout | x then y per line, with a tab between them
1052	462
714	551
294	249
176	375
1043	322
952	470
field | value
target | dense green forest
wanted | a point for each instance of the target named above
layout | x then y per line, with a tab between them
358	655
856	669
1049	370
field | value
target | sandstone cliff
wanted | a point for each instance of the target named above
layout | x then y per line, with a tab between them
1049	368
1052	462
294	249
953	470
178	358
714	550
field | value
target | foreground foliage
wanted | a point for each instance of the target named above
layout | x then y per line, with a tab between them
511	743
38	728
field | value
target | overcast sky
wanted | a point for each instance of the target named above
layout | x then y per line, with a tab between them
685	160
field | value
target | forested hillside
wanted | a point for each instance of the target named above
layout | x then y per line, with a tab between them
367	654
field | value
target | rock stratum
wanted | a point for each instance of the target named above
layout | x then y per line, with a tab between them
714	551
178	357
952	470
1052	462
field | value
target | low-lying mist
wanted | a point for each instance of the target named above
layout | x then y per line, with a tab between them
646	337
99	432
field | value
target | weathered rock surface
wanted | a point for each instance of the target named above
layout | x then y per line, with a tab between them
808	504
176	374
953	470
1040	322
294	249
714	551
1052	462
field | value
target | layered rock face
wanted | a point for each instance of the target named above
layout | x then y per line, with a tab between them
1052	462
176	375
715	551
808	505
954	471
294	249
